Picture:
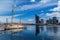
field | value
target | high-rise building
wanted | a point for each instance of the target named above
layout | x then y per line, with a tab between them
37	25
50	21
47	22
55	20
37	18
42	21
39	22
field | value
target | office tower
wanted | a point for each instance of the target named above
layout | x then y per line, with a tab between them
42	21
37	24
37	19
47	22
50	21
55	21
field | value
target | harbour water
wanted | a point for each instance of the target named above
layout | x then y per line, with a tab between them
45	33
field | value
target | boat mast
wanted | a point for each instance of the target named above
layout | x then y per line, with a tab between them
12	14
20	18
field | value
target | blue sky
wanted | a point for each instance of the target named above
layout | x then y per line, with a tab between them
27	9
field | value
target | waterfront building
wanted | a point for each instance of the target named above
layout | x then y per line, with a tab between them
55	20
50	21
37	19
47	22
42	21
37	24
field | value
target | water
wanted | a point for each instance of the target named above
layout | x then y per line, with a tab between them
45	33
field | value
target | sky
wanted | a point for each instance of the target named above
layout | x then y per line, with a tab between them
26	10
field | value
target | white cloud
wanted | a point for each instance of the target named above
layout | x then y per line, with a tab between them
5	6
54	14
32	0
38	5
57	14
56	8
56	11
59	3
45	1
31	20
3	19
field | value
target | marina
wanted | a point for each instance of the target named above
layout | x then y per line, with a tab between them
45	33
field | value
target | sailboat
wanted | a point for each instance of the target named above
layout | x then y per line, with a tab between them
15	25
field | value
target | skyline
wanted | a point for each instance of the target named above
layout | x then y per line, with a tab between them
28	9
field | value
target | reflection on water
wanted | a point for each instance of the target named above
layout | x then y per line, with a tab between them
55	29
10	31
42	32
37	30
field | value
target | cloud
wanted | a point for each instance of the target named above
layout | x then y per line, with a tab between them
30	20
5	6
32	0
55	11
57	14
53	14
56	8
38	5
45	1
3	19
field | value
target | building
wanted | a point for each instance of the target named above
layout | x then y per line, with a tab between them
50	21
55	20
42	21
37	24
47	22
37	19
